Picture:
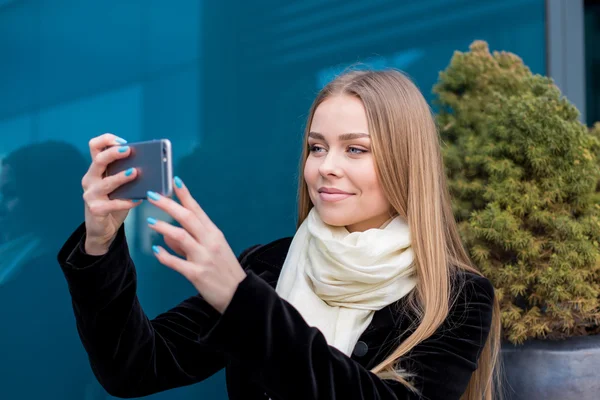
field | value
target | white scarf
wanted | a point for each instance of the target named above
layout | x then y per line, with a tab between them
337	280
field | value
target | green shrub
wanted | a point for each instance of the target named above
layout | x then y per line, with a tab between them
523	173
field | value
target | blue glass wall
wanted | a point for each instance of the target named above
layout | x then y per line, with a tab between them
230	83
592	60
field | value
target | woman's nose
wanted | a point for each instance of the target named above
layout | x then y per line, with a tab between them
330	166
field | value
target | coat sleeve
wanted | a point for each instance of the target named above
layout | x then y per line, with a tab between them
131	355
297	363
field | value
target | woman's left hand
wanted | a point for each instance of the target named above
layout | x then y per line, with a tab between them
207	260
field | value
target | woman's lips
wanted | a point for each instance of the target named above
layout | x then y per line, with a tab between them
333	197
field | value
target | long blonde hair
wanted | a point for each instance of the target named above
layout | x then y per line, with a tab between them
406	148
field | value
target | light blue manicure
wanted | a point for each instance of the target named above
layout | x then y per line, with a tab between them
123	149
153	195
178	182
155	249
120	141
129	172
151	221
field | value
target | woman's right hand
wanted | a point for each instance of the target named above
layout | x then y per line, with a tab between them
104	217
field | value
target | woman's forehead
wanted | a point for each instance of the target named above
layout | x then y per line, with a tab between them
338	115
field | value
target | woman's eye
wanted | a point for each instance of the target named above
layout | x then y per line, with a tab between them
315	149
356	150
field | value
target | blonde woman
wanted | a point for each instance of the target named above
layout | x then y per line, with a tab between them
373	298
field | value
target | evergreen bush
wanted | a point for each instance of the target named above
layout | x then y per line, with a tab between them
523	173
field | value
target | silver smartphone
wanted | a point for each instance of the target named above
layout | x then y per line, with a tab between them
153	162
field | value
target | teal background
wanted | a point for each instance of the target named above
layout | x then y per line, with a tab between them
230	84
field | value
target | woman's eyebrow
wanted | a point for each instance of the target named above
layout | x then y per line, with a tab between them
343	137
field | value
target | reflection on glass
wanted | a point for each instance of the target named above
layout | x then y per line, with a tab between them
40	203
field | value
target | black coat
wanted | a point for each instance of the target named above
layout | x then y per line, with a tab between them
263	342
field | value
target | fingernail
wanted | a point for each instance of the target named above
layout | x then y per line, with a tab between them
151	221
123	149
153	195
120	141
155	249
178	182
129	172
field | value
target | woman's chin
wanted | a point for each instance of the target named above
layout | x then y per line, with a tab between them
337	218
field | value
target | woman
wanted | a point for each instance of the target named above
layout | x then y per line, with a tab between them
374	297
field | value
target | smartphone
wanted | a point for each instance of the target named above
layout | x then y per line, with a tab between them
152	159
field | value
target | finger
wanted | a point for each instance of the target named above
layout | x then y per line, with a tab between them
188	245
104	207
102	159
97	168
101	142
184	195
186	217
184	267
174	246
109	184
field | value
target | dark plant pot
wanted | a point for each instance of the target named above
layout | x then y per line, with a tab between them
553	370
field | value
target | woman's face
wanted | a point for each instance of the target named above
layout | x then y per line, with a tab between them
340	169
